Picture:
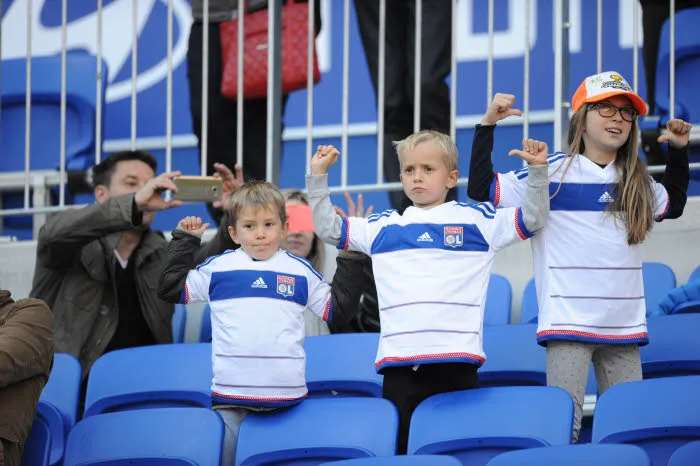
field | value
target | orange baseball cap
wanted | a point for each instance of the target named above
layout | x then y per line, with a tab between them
603	86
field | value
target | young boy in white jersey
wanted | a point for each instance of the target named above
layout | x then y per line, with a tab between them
588	259
431	265
257	295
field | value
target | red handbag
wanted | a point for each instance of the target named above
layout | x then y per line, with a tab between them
295	23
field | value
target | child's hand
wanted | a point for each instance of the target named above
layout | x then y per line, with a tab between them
534	152
500	108
352	210
193	225
678	133
324	157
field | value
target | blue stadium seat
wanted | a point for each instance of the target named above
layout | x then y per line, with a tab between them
37	448
58	404
343	365
402	460
658	415
674	348
694	275
150	377
172	436
513	357
81	97
476	425
529	307
575	455
205	329
687	455
319	430
499	298
687	62
659	279
179	323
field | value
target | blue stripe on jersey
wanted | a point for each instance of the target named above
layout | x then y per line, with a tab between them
592	197
306	263
393	238
521	225
522	172
494	195
481	211
232	284
343	242
374	217
208	260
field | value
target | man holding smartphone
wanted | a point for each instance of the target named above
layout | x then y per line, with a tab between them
97	267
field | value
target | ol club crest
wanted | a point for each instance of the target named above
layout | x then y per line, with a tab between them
285	285
454	237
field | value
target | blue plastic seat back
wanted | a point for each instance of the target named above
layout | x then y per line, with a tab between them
476	425
81	98
513	357
179	323
37	448
342	365
659	279
529	308
172	436
205	329
150	377
319	430
659	415
673	348
687	455
687	67
58	404
402	460
499	298
575	455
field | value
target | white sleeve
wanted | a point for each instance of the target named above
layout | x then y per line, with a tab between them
196	288
508	189
358	234
507	227
662	201
320	301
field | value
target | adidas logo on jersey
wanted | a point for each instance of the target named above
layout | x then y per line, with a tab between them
425	237
259	283
606	198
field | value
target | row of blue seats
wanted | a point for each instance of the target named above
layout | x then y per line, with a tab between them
659	280
337	366
475	426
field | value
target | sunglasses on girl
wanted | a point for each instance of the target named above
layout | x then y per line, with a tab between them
608	110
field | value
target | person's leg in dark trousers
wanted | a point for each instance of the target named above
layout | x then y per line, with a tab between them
406	388
436	49
221	142
398	112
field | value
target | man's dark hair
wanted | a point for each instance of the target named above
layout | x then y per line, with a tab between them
103	172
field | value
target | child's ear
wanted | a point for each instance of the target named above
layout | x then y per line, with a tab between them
452	178
285	230
233	235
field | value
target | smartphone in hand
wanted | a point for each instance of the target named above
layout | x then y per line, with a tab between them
198	189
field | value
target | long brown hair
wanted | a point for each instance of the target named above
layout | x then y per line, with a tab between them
633	192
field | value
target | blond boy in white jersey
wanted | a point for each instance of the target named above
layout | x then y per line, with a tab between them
431	265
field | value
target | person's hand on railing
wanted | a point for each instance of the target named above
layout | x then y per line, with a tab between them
230	182
354	211
150	199
324	157
678	134
500	108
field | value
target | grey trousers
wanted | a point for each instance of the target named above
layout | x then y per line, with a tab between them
568	363
233	417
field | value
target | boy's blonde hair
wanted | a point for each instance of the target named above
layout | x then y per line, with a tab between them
257	194
443	141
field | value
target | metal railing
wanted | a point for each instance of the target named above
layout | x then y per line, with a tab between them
36	184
